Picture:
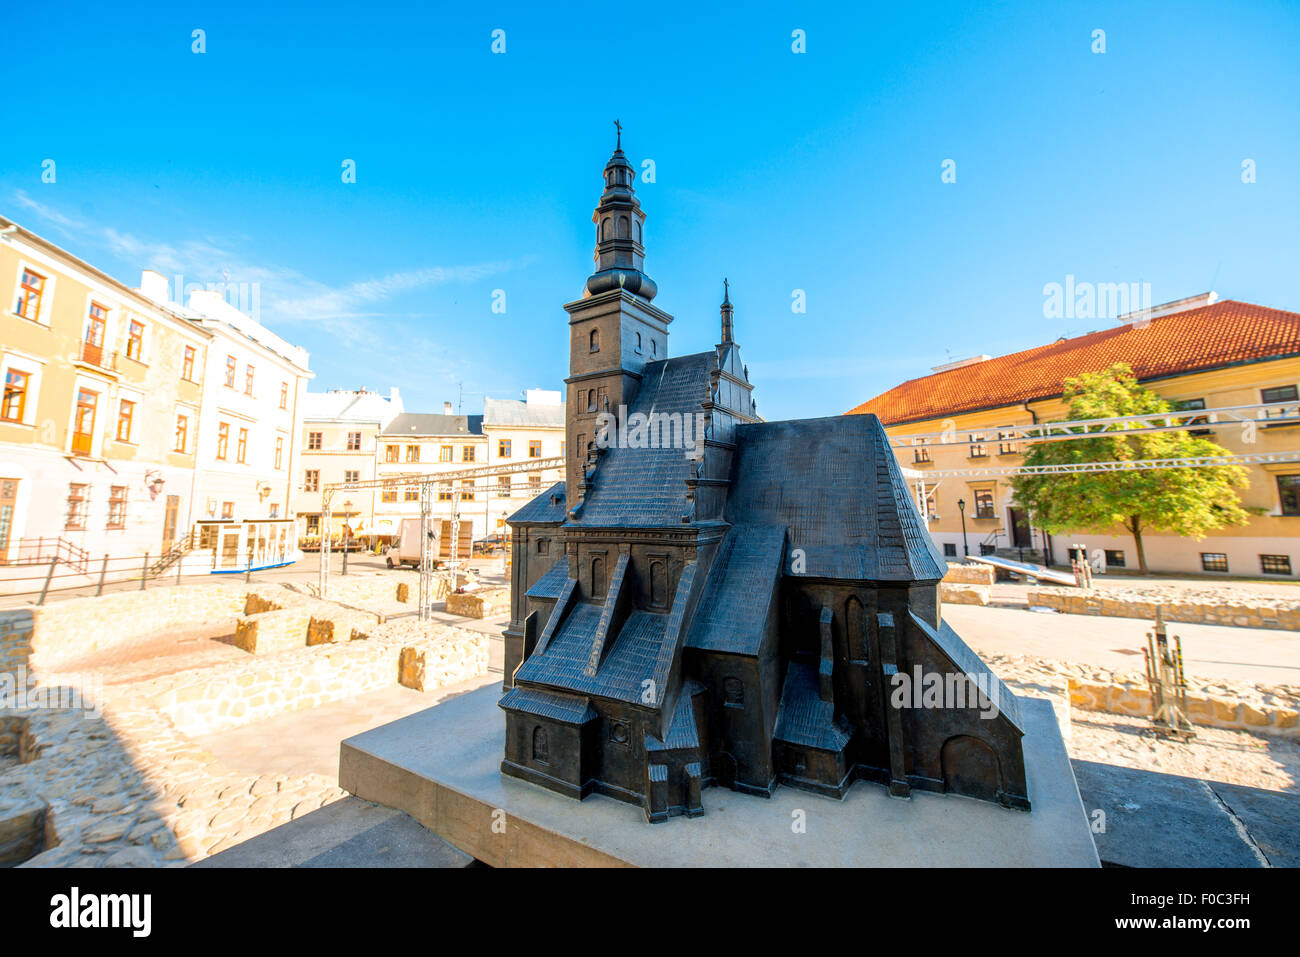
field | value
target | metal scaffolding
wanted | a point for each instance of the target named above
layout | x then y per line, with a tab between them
1262	414
429	540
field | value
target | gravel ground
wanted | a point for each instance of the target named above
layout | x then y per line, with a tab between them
1233	757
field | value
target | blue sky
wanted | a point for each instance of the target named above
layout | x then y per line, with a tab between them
818	171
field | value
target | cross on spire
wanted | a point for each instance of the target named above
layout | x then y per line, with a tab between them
619	133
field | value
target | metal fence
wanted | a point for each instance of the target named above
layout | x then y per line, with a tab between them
59	568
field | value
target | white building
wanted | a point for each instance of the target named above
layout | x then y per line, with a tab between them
516	432
338	442
254	383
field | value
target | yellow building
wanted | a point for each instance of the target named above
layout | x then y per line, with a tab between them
100	416
1196	353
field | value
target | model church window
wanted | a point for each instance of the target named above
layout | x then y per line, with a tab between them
541	752
733	691
597	577
595	340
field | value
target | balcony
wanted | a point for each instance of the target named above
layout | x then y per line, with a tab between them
95	355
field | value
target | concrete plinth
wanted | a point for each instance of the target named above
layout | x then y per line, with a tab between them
442	767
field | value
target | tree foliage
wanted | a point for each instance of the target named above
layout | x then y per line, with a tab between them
1185	501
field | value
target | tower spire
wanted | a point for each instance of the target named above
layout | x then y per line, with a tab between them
620	257
728	328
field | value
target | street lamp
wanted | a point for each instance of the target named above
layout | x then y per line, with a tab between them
347	533
961	507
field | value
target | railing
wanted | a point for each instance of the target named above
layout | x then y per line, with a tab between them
96	356
95	576
38	551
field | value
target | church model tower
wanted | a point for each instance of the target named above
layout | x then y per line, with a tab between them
709	599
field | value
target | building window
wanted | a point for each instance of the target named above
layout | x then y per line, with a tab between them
618	733
1282	393
543	546
125	413
931	508
313	441
562	444
392	453
638	343
313	524
92	350
1006	445
1191	405
949	550
1115	558
83	429
1288	492
117	506
467	490
77	505
922	452
467	453
1275	564
444	453
241	448
352	475
388	495
248	379
412	453
279	451
230	371
594	340
14	407
187	364
535	448
503	448
977	449
354	441
444	491
503	486
580	445
182	433
534	482
275	510
311	480
284	395
984	503
30	289
135	340
413	495
1214	562
227	511
597	577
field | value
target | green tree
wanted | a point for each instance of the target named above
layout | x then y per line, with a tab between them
1187	501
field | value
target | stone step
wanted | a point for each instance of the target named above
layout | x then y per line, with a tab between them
346	833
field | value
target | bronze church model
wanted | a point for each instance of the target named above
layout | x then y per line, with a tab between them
709	599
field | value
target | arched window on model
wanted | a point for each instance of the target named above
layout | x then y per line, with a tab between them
595	340
541	750
638	343
597	577
591	400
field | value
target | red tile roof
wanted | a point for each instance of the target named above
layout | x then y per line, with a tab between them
1221	334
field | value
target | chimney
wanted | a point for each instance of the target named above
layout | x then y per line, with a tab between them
153	285
446	408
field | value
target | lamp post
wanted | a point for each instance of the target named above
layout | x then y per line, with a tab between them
347	533
961	507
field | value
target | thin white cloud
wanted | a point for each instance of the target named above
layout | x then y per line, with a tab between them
285	294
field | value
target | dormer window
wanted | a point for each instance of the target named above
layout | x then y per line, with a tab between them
595	340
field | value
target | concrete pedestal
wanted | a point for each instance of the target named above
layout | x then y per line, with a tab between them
442	767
